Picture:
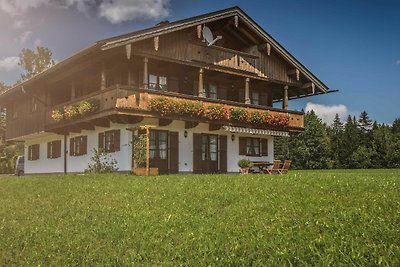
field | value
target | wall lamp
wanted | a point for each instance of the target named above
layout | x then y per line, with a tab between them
185	134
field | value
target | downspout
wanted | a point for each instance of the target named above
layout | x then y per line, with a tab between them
65	154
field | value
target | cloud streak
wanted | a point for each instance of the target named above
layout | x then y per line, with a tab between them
9	63
327	112
115	11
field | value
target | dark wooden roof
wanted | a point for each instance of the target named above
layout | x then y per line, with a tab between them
122	40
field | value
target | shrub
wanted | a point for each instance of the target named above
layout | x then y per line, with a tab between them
257	117
139	150
101	162
245	163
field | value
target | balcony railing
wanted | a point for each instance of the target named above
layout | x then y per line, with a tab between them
124	99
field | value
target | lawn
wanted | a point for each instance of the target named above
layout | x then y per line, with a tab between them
317	218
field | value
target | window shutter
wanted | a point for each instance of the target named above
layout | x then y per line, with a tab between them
222	93
49	150
173	152
197	162
58	148
173	84
117	140
223	157
101	141
263	98
242	145
37	149
72	146
29	152
195	88
264	147
84	145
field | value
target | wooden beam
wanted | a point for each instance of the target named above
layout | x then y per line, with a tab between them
145	73
236	18
247	91
86	126
156	42
201	83
285	101
199	30
128	49
101	122
293	72
164	122
214	126
190	124
103	76
268	49
309	85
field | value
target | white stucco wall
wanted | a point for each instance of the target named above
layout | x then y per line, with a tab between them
123	157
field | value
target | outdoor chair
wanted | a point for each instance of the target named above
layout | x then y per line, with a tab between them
285	167
275	167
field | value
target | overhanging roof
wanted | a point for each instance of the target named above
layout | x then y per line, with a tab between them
171	27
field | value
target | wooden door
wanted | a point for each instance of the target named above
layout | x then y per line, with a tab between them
205	153
159	150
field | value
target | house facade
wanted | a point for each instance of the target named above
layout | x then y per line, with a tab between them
206	85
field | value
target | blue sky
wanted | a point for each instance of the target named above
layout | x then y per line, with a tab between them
353	46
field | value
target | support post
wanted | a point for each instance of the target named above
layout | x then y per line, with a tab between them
201	83
65	154
285	99
145	73
147	151
247	92
103	76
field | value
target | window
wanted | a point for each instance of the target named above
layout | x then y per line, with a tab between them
109	141
212	91
78	145
209	147
158	144
54	149
255	98
157	82
33	152
252	146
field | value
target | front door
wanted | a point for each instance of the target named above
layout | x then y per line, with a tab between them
159	150
205	153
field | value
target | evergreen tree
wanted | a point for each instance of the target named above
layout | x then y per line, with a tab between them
351	141
396	126
336	136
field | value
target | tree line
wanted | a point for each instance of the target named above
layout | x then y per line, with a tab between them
357	143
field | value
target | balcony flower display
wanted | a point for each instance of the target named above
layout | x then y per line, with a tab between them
239	114
217	112
73	111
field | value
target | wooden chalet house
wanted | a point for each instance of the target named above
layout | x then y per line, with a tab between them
206	83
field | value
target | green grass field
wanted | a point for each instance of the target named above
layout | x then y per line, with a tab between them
317	218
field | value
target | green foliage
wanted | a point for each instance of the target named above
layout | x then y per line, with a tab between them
139	143
304	218
245	163
70	112
355	144
101	162
35	62
239	114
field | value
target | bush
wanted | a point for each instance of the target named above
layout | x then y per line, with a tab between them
245	163
101	162
139	150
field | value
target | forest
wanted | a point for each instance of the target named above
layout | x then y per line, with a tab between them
355	144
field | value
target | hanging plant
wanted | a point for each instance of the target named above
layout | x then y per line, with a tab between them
216	112
57	115
239	114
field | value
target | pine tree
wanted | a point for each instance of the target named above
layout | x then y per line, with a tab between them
336	136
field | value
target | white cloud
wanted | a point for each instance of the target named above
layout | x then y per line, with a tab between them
18	24
327	113
38	42
24	37
115	11
19	7
398	62
9	63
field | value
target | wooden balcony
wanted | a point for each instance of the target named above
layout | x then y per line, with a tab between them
133	103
